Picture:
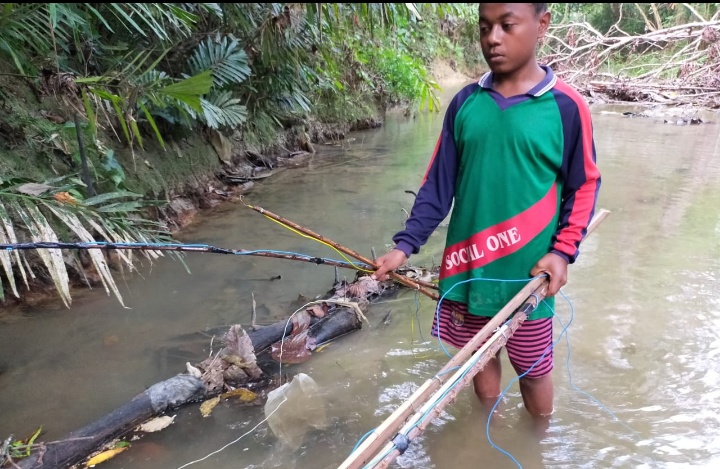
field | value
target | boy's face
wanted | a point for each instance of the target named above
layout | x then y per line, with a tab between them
509	33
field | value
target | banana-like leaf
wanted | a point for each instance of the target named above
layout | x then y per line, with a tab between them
190	89
97	257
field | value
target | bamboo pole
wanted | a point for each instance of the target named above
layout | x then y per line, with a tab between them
447	394
408	282
389	428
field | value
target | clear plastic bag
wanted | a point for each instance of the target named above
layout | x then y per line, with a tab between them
294	408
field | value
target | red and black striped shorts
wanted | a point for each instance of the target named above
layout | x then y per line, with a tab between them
531	343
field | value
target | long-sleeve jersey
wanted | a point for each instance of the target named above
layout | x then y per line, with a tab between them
520	176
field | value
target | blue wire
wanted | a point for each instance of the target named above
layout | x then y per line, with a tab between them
207	246
437	316
437	309
567	366
437	313
362	439
517	378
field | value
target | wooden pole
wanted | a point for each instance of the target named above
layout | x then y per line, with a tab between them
389	428
408	282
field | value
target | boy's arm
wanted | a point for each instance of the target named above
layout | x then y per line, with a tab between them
581	183
436	193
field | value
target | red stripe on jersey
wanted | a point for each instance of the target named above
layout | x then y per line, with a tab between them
571	235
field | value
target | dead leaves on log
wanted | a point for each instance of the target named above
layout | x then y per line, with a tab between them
109	451
156	424
207	407
293	350
232	366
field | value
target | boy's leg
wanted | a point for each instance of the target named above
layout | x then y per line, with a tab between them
530	352
487	383
537	394
454	325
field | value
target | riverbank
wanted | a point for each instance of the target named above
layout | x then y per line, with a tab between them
194	172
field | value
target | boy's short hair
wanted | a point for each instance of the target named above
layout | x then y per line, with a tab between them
539	8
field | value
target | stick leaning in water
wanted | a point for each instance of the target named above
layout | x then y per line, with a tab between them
378	448
408	282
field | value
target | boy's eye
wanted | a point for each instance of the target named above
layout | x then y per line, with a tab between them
507	26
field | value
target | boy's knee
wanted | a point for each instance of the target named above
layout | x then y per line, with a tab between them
538	395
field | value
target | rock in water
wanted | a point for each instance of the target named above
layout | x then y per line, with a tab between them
294	408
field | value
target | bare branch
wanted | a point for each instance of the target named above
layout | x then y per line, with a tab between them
694	11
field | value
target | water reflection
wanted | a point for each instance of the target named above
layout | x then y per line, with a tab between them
643	340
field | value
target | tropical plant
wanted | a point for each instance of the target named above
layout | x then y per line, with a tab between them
55	209
139	70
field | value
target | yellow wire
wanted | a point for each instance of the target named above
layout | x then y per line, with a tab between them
319	241
412	339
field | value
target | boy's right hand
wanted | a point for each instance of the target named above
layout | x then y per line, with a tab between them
387	263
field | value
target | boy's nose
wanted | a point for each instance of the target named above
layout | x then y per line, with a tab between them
494	38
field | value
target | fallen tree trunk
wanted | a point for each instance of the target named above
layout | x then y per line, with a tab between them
157	399
233	367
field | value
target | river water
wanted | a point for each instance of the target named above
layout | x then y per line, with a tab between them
637	376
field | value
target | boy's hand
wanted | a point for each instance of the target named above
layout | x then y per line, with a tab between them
387	263
556	267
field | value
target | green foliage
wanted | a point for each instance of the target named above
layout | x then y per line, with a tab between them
13	450
224	57
141	72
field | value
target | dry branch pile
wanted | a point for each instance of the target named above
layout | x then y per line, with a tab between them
676	65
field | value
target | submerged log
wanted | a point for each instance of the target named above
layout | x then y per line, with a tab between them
231	368
155	400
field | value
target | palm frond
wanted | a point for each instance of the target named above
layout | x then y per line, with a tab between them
39	230
98	259
7	266
38	212
10	231
161	19
225	57
222	110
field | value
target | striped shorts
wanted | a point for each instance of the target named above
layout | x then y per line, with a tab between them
525	347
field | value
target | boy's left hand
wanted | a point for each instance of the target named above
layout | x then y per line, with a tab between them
556	267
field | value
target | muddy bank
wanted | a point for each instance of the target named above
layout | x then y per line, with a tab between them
240	166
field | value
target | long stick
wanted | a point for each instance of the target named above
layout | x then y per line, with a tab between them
389	428
408	282
170	247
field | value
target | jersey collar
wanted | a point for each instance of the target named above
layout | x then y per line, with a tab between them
541	88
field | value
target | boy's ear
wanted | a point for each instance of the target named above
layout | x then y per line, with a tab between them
544	23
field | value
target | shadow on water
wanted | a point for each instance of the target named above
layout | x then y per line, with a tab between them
643	340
